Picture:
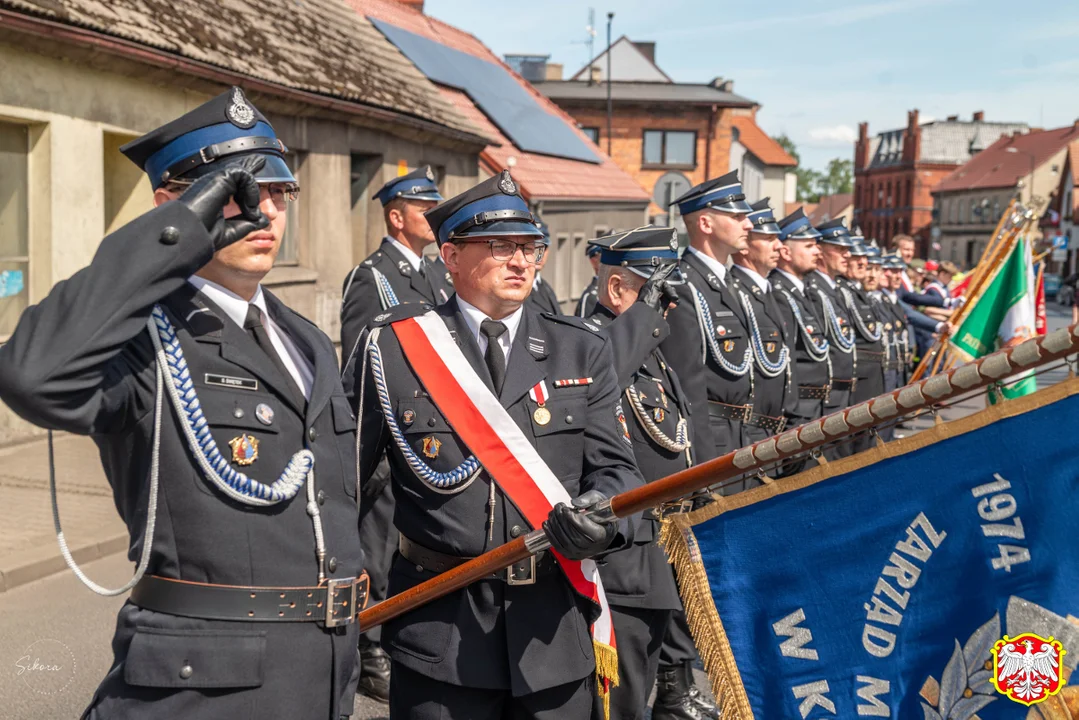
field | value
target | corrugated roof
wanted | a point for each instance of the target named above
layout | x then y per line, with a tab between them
829	208
767	150
1008	159
317	46
641	92
541	177
948	142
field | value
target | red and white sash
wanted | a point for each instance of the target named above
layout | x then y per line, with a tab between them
479	419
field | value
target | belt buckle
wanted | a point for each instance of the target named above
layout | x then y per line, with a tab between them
333	618
853	384
780	424
747	413
511	579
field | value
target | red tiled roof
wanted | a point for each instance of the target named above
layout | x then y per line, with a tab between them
829	208
767	150
1073	160
541	177
996	167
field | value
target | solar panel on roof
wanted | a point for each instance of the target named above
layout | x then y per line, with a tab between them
498	95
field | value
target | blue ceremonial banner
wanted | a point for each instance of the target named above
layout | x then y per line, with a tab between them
878	585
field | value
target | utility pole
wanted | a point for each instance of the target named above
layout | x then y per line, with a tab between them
591	41
610	18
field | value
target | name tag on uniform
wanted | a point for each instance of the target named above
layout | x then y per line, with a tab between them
236	383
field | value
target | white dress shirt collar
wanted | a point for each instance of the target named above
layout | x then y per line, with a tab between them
712	264
830	281
796	281
405	250
474	317
763	284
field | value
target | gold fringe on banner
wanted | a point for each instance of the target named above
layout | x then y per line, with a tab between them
606	673
680	544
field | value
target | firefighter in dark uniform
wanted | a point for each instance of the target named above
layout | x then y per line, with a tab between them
543	297
891	328
831	310
586	304
798	257
869	335
398	272
639	582
517	644
223	430
709	341
773	373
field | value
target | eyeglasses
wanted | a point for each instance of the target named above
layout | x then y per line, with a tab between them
281	193
503	250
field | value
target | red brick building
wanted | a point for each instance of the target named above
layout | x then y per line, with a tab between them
896	171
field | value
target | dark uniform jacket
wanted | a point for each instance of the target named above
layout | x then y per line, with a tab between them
695	363
586	304
770	394
818	290
902	336
361	300
544	299
868	330
639	576
810	372
492	634
82	361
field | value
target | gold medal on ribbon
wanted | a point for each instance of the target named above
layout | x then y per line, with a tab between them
542	415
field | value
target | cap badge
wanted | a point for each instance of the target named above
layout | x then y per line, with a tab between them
674	240
408	417
239	112
506	184
429	175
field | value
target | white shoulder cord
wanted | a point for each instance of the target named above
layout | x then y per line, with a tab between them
151	508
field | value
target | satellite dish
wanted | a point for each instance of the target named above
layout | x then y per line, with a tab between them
670	185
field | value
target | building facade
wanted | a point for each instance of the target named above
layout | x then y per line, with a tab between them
896	171
970	201
74	89
1067	205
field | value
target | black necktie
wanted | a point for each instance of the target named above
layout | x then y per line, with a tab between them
495	359
253	324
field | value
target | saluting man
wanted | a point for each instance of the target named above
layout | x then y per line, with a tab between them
639	582
494	417
398	272
869	333
223	430
709	341
586	304
824	293
543	297
773	374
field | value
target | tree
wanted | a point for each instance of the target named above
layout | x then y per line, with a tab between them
838	178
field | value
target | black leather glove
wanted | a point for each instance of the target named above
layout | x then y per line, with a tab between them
658	293
208	196
575	535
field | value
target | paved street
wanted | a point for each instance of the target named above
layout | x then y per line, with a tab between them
54	633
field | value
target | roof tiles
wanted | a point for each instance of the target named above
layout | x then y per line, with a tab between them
1009	159
767	150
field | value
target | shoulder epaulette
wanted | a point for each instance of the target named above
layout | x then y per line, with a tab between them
573	321
372	259
400	312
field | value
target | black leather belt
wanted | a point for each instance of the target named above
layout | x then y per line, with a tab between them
730	412
842	385
767	423
871	355
331	605
814	392
520	573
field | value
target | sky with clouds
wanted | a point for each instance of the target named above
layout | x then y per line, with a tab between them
819	69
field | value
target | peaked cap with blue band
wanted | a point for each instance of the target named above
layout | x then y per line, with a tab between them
417	185
592	249
721	193
834	232
218	133
641	250
858	248
796	226
874	254
493	208
892	261
764	221
543	228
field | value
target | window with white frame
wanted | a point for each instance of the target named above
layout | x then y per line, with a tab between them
14	225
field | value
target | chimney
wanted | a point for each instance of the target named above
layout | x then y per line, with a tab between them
648	49
861	148
416	5
553	71
912	141
953	118
979	116
722	85
912	119
594	73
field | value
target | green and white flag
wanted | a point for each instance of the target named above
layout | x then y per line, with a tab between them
1003	315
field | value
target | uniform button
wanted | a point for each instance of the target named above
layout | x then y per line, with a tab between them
516	531
569	418
237	413
321	497
312	434
655	333
186	671
332	565
170	236
431	422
